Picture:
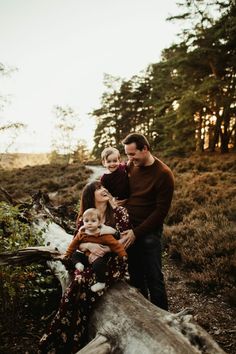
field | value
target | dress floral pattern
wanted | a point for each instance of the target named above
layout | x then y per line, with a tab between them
68	330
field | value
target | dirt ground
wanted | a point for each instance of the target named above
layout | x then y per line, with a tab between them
212	313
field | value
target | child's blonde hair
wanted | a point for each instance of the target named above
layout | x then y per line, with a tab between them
108	151
92	212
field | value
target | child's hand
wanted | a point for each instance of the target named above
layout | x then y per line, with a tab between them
61	257
65	260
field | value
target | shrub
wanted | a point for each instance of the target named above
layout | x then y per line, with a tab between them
205	243
20	286
201	223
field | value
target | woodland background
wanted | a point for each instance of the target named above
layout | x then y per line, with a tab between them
186	106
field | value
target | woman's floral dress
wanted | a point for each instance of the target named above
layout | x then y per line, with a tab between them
68	330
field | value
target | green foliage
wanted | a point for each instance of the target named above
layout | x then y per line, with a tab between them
185	102
19	285
15	232
125	107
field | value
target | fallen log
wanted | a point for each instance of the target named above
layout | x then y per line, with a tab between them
29	255
123	321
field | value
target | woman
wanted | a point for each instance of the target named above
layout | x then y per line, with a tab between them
68	330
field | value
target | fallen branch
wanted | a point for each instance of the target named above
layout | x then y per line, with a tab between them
29	255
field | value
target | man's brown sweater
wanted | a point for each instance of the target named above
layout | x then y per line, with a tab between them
106	239
151	191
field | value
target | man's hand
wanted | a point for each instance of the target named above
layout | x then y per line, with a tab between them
127	238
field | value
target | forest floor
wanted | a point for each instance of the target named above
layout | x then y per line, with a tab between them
210	312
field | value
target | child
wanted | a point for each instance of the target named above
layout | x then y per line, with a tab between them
91	232
115	180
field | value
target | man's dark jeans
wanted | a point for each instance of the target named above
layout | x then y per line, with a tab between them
144	258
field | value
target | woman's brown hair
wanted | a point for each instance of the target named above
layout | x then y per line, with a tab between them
88	201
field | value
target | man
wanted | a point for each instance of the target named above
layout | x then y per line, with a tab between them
151	191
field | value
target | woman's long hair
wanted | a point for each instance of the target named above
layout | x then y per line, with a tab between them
88	201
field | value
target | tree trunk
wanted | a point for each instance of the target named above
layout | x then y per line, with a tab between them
125	322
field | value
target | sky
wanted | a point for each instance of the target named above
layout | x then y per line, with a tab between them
63	48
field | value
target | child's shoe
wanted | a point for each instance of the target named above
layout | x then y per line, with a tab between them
79	266
98	287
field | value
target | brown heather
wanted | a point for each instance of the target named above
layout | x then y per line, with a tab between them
200	231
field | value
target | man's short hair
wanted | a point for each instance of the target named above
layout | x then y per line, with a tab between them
92	212
108	151
139	139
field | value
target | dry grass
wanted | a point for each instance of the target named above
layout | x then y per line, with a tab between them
62	183
201	226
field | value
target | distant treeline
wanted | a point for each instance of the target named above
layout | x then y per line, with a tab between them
187	101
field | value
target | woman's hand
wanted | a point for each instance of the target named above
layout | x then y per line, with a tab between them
115	202
94	248
112	200
121	202
127	238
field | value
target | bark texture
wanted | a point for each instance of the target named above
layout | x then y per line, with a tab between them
132	325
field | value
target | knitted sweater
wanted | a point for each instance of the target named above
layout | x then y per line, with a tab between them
106	239
117	182
151	191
